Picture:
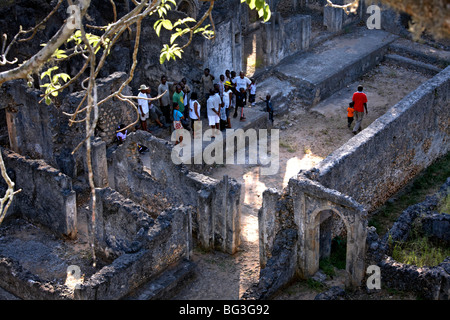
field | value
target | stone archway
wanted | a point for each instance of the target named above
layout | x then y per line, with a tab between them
327	224
311	200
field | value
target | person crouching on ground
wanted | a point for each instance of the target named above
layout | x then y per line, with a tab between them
121	134
154	112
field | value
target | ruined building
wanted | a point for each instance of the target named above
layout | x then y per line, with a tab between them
150	213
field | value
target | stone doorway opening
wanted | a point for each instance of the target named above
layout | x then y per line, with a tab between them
332	242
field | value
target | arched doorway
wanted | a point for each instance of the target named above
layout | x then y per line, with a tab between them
314	206
332	241
325	225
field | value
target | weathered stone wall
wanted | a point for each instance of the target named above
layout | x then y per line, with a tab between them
216	217
421	219
289	234
279	38
368	169
160	243
139	246
43	132
335	19
47	197
225	51
393	149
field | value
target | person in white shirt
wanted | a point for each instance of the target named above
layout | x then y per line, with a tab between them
242	84
227	98
252	92
194	113
143	106
213	107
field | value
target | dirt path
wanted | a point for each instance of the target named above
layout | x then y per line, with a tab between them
306	137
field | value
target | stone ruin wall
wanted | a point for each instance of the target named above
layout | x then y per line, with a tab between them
380	160
128	238
43	132
47	197
215	203
365	171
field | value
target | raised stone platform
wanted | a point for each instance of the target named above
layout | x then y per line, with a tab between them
318	73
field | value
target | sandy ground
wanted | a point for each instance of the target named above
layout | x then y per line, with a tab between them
306	137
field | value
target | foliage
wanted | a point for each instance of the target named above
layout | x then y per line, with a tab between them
338	254
444	206
261	6
327	267
424	184
315	285
337	258
420	252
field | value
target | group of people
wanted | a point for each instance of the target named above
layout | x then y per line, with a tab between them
185	108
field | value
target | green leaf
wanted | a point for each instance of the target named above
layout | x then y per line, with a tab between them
167	24
183	21
48	72
267	13
157	26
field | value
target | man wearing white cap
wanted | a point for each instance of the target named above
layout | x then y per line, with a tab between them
143	106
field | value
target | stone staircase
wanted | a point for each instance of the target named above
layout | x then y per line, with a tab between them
417	56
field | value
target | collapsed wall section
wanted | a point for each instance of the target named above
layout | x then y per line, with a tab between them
42	131
153	179
47	196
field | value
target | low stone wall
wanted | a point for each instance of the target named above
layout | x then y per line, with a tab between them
47	196
142	247
217	202
352	180
428	282
381	159
138	250
432	283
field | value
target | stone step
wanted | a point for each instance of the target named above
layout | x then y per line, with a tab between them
421	52
409	63
167	284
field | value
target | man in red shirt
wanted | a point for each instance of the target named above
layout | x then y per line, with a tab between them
360	100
